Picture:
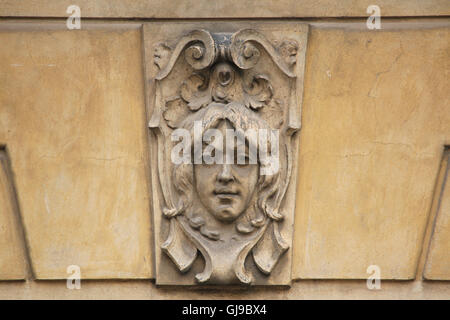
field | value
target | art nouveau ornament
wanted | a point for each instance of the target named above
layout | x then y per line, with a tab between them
225	107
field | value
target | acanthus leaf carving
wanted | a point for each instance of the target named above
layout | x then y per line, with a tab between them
194	91
175	110
258	92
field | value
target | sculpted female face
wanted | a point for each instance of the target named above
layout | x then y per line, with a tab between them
226	190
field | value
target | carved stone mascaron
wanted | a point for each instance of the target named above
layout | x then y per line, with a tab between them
225	224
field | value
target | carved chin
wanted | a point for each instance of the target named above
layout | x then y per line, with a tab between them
226	214
225	208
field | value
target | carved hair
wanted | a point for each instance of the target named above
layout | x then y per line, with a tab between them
241	118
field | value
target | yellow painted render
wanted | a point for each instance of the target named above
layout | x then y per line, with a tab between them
72	116
376	117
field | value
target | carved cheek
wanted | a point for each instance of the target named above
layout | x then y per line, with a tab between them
246	177
205	177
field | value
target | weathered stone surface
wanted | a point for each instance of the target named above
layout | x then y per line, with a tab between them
438	261
223	9
72	116
376	116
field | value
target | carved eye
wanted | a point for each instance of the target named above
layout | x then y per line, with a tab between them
246	160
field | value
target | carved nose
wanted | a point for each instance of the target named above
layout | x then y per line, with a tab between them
225	174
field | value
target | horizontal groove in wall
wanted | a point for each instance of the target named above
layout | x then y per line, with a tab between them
224	9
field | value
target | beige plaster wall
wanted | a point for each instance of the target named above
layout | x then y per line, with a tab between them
72	116
376	117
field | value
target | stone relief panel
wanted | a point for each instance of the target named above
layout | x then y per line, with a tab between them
224	107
